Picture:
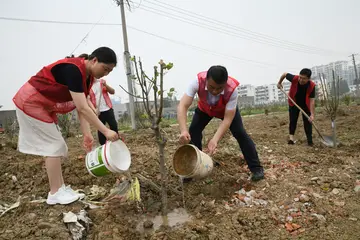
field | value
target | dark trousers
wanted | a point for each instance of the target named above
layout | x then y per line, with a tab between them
294	115
109	118
247	146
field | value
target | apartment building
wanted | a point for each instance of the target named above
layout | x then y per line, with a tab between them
286	87
246	90
266	94
343	69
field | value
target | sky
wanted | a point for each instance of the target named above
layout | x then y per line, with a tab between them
256	40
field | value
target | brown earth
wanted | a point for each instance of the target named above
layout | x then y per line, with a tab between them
301	202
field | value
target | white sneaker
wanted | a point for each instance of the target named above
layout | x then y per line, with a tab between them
70	190
62	196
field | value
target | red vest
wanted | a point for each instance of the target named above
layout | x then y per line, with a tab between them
103	92
218	110
293	91
42	97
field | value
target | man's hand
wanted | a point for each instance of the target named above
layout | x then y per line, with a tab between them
311	119
184	137
212	146
88	142
279	86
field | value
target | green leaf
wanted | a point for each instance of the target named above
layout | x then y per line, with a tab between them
172	89
160	92
170	94
169	66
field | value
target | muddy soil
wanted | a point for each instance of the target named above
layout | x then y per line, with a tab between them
308	191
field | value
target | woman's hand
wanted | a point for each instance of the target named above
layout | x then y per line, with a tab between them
88	142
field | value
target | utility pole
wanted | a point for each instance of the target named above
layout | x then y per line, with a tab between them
356	75
128	63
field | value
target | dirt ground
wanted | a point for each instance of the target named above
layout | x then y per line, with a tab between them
309	192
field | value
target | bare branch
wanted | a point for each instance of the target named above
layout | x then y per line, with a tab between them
155	88
130	93
145	93
151	82
162	65
331	99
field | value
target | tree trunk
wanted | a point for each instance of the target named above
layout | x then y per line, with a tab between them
161	145
333	124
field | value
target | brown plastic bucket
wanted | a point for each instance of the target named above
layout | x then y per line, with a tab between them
190	162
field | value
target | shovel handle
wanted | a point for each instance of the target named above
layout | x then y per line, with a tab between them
303	112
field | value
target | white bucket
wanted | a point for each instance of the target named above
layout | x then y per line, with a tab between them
110	157
190	162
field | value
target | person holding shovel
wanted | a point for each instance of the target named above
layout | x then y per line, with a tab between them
302	91
218	95
59	88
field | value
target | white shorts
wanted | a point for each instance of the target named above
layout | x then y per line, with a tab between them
40	138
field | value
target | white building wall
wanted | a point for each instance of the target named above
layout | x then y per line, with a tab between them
246	90
266	94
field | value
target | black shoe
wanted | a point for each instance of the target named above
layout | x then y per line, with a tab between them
311	144
291	142
258	175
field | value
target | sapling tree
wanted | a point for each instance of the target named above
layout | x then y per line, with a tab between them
152	89
11	129
331	100
64	122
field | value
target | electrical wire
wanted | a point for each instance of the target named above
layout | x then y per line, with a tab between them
86	35
174	8
148	33
132	8
240	32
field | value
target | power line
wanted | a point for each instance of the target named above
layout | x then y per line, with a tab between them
148	33
197	15
241	32
86	35
233	34
133	5
57	22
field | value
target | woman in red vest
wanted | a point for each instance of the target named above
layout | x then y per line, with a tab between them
218	95
60	88
302	91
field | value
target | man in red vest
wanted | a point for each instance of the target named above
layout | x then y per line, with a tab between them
302	91
218	95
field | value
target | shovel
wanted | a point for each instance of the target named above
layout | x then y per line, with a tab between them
326	140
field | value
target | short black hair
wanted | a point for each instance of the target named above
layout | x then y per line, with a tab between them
104	55
306	72
84	55
217	73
